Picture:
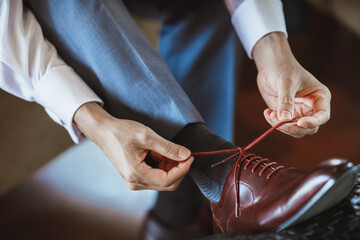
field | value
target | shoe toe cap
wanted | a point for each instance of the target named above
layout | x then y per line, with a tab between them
332	166
305	188
317	177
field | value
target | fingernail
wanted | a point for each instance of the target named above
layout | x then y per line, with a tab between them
285	115
184	153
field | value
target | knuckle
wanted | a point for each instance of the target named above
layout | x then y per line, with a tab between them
169	188
261	76
143	135
314	131
133	187
287	100
167	185
327	92
327	117
317	122
131	178
295	133
298	136
173	187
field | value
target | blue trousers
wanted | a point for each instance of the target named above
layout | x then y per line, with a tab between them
190	79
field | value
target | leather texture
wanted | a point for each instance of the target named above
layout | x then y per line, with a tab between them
266	204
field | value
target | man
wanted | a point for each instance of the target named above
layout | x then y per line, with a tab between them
104	46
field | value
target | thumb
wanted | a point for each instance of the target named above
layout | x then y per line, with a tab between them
285	107
169	149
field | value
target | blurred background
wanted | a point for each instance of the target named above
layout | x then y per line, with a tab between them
51	189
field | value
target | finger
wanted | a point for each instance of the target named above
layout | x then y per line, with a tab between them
285	105
165	180
296	131
157	157
267	113
167	149
289	129
170	165
274	117
322	111
163	162
271	117
172	187
318	119
179	171
175	185
135	186
139	186
162	165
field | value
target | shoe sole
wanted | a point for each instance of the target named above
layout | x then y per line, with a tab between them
329	195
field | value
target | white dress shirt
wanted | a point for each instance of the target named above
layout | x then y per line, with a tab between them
253	19
32	70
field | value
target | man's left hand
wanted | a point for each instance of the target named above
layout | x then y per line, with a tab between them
288	89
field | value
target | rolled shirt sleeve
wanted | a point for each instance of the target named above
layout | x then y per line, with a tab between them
32	70
254	19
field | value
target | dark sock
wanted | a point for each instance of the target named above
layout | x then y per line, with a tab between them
180	208
199	138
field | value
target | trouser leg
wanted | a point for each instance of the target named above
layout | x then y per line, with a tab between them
105	48
100	40
202	51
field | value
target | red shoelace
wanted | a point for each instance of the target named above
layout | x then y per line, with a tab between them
242	155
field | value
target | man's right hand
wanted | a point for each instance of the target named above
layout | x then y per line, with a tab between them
126	143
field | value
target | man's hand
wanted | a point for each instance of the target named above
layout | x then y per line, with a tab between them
288	89
126	143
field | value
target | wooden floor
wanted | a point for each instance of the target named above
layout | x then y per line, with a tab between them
325	48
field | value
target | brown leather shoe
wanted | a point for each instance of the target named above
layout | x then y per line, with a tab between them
257	197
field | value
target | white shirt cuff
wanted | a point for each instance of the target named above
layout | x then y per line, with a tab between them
61	92
253	19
